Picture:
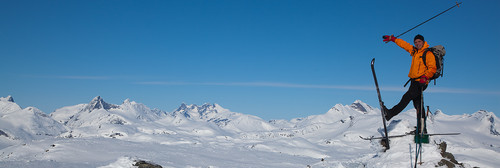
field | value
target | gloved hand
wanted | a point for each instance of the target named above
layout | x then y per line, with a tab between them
423	79
388	38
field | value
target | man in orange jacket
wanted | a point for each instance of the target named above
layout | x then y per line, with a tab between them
419	76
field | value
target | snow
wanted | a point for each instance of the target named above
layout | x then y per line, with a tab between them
122	162
27	124
104	135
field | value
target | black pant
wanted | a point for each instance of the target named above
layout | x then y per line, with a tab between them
414	94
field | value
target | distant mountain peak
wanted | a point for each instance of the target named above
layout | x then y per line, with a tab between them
204	111
99	103
482	114
8	98
361	106
183	107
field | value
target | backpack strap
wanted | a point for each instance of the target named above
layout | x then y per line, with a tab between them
425	63
414	50
424	56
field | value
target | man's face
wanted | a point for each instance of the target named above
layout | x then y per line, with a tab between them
419	43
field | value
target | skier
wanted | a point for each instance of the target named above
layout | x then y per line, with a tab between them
419	77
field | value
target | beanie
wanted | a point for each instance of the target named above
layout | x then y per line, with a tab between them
418	36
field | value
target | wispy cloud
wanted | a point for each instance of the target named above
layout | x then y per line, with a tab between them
72	77
313	86
463	91
267	84
84	77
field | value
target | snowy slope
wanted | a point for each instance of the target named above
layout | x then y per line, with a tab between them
107	135
25	124
479	136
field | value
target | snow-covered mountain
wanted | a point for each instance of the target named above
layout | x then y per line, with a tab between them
224	118
26	124
102	134
99	118
99	112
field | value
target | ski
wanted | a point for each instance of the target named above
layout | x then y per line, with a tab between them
456	133
386	138
383	137
406	134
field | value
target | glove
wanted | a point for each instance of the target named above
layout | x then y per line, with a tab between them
388	38
423	79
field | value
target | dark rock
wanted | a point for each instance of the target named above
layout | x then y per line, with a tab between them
146	164
448	158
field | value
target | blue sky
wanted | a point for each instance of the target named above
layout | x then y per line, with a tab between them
277	59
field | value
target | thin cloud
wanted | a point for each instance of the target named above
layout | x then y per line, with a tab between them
462	91
292	85
73	77
310	86
265	84
84	77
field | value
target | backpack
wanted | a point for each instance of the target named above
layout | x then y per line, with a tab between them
439	53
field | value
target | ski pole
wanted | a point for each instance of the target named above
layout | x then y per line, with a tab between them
422	122
456	5
421	126
428	110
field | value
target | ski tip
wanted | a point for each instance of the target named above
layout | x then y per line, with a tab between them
373	61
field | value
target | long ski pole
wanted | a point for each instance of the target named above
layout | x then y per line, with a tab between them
456	5
420	127
417	152
382	111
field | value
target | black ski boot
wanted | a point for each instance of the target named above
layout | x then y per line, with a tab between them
387	113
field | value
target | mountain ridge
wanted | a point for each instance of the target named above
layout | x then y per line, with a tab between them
99	112
212	127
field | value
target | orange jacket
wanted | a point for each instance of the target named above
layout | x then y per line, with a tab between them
418	67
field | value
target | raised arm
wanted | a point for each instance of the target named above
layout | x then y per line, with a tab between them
401	43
